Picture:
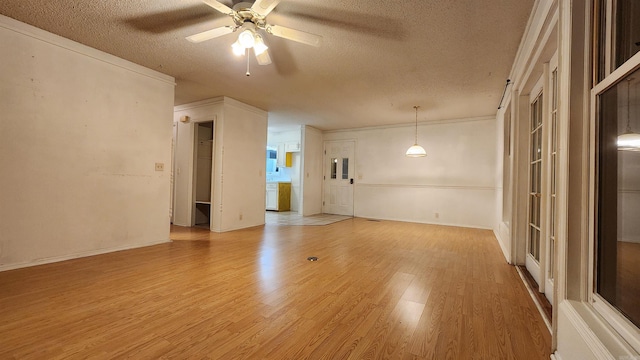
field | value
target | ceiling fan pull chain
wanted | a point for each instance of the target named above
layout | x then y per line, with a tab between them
247	55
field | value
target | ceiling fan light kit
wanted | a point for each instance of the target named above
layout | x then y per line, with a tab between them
250	19
259	46
238	50
247	37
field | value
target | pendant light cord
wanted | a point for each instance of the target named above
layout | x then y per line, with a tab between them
416	107
628	130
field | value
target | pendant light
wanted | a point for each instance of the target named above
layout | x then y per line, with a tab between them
629	141
416	150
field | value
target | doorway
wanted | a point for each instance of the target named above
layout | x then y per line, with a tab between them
203	159
339	167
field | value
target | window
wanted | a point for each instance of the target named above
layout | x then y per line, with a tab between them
618	199
625	33
616	177
345	168
334	168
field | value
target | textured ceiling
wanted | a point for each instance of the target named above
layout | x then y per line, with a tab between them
378	58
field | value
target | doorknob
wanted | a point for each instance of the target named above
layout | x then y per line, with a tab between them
351	181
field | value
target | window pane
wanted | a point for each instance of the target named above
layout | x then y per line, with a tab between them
554	76
627	38
539	144
534	116
553	174
618	199
534	243
334	168
599	46
552	217
345	168
552	251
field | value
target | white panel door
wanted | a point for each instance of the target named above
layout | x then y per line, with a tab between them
338	177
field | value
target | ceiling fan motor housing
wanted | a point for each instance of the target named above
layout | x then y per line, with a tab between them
244	14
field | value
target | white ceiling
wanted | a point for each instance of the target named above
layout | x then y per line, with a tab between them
377	60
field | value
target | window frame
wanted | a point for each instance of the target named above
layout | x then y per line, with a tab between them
609	313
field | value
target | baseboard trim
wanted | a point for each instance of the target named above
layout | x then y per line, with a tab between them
416	221
505	251
76	256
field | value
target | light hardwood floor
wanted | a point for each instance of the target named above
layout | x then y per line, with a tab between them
379	290
628	287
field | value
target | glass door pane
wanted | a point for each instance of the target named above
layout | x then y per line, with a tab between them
535	182
553	159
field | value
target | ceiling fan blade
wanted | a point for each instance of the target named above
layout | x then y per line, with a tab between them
264	7
264	58
295	35
210	34
166	21
219	6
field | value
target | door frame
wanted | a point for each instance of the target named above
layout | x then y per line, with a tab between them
541	85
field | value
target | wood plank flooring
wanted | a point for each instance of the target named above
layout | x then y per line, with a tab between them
379	290
628	286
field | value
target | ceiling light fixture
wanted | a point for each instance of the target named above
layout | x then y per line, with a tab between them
416	150
629	140
247	37
238	50
259	47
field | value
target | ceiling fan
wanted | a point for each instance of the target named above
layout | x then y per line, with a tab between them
250	19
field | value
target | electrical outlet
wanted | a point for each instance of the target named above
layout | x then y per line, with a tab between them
437	215
240	217
159	166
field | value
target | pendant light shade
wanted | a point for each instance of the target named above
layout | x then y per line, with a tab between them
629	141
416	150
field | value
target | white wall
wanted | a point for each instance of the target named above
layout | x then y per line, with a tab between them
312	147
238	180
80	134
453	185
244	146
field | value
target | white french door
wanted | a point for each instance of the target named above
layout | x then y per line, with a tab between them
534	233
338	177
548	265
543	149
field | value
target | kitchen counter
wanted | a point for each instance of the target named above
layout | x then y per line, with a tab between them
278	195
